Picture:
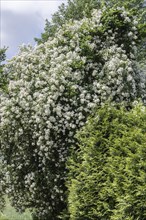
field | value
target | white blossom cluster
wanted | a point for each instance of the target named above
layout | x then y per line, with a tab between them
52	89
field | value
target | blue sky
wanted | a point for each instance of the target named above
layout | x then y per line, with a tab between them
22	20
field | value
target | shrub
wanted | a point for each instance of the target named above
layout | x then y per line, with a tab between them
107	173
2	186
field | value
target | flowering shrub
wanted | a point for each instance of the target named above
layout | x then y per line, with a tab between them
52	89
106	177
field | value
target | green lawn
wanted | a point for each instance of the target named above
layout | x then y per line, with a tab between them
10	214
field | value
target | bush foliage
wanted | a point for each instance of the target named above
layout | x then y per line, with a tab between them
108	171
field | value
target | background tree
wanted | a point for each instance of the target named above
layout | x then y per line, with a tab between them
2	77
107	173
2	87
73	10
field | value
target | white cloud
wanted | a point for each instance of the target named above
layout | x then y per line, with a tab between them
22	20
45	8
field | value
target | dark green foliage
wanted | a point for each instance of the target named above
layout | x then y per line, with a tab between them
2	77
2	58
2	86
107	174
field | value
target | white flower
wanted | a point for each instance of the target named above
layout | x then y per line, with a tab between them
135	22
130	34
129	78
130	69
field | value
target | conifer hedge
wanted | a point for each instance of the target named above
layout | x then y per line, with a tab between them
107	178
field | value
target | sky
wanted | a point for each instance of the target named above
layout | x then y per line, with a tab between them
22	20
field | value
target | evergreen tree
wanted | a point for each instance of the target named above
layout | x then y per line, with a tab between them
107	173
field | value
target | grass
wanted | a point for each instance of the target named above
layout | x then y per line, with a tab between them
10	213
2	217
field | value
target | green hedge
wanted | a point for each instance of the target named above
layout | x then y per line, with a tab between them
107	177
